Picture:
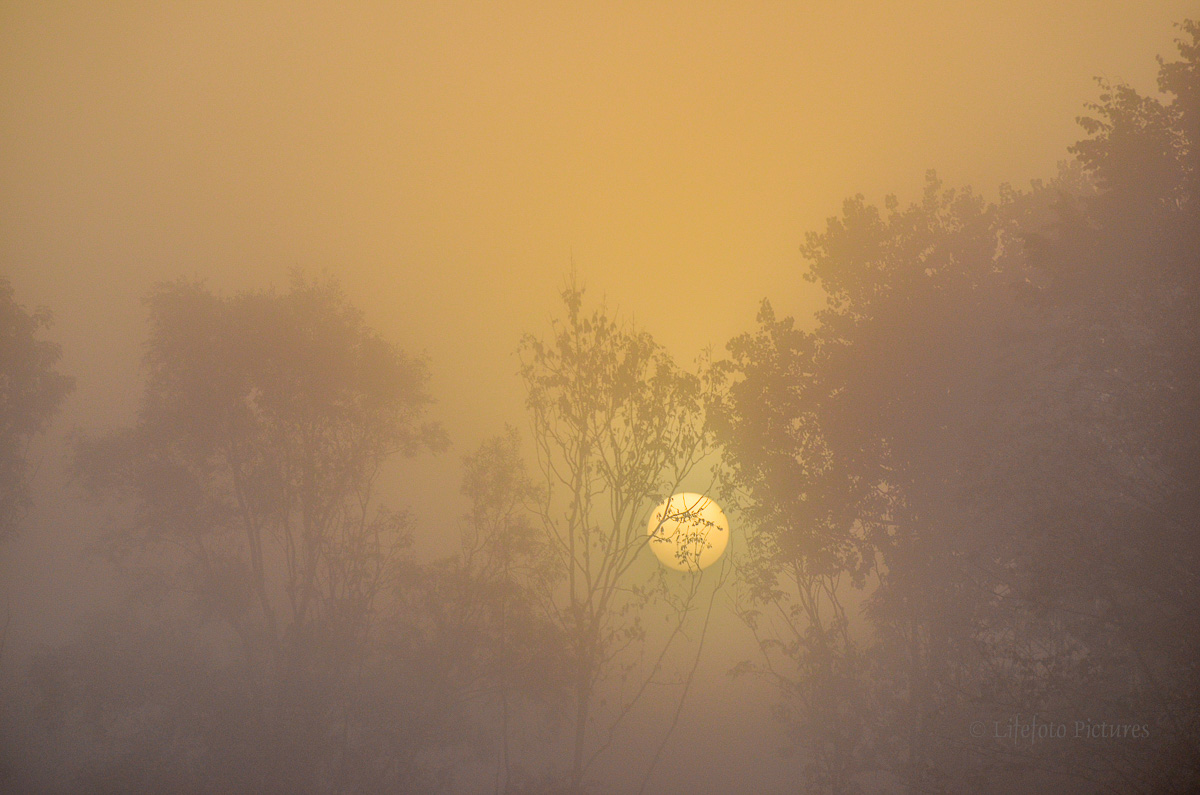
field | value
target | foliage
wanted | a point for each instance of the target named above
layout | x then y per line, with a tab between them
990	435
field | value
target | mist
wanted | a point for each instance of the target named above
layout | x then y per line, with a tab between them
350	357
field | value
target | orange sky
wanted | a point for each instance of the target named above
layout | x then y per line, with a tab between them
446	160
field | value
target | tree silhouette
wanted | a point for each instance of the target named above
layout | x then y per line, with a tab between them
995	416
491	604
31	391
250	479
802	544
617	426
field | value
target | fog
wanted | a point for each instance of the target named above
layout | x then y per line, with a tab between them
347	353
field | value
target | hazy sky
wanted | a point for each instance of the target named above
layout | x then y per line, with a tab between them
447	160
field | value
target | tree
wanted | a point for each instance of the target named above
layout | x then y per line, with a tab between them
489	604
31	391
843	443
250	477
1125	271
802	544
617	427
998	404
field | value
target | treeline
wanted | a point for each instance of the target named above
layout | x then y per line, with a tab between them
993	432
968	498
277	635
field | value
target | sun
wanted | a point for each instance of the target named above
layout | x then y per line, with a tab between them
688	532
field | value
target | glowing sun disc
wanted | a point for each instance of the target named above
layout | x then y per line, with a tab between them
688	532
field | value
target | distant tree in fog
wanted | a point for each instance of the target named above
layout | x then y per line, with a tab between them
31	391
490	605
255	538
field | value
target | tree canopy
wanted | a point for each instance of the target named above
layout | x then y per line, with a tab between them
991	434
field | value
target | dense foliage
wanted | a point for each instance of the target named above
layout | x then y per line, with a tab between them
991	436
